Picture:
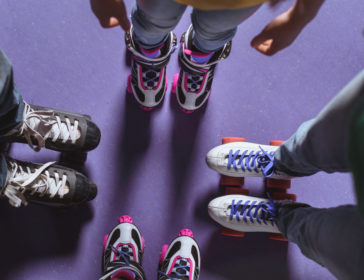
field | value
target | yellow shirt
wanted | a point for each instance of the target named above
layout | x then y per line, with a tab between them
221	4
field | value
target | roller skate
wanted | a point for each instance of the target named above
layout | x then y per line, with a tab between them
180	259
193	84
148	81
54	129
244	159
123	252
47	184
248	214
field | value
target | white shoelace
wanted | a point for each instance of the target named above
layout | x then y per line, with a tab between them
22	179
43	125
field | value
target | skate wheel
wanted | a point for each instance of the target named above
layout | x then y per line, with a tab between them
277	236
230	232
163	254
143	244
235	190
185	232
106	237
125	219
130	90
226	140
278	183
275	142
284	196
175	82
231	181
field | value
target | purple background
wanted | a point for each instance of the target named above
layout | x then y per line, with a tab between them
151	165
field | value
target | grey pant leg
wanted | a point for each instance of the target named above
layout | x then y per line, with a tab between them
332	237
11	102
213	29
154	19
321	144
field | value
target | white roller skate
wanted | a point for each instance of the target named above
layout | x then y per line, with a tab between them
244	159
123	252
193	84
148	81
180	259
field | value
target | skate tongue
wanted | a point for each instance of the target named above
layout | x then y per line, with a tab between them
152	53
199	57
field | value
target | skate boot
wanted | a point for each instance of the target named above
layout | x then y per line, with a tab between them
180	259
248	214
123	252
54	129
148	81
243	159
47	184
193	84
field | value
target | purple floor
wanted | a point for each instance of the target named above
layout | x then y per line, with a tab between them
151	165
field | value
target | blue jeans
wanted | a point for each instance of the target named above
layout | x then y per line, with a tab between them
332	237
11	107
154	19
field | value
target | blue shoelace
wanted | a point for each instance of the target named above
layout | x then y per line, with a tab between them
195	81
268	211
252	161
156	77
185	268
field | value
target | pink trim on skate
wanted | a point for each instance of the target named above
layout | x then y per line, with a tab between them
197	54
202	85
122	275
186	111
143	244
125	219
105	240
174	262
185	232
175	82
163	253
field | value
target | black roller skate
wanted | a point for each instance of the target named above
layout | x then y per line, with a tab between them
193	84
148	81
47	184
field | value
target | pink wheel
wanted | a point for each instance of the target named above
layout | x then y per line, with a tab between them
143	244
146	108
186	111
174	84
106	237
130	90
125	219
185	232
163	253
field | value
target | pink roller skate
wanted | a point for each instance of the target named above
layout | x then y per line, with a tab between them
123	252
193	84
148	81
180	259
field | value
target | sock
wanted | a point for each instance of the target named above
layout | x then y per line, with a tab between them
152	53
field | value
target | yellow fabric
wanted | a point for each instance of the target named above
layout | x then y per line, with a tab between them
209	5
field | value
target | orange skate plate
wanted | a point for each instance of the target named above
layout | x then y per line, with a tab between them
231	181
278	183
229	232
226	140
277	236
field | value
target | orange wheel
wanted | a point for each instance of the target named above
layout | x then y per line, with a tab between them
277	236
226	140
275	142
278	183
231	181
236	190
283	196
229	232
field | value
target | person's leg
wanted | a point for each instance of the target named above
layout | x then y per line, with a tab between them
11	102
213	29
332	237
321	144
153	20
